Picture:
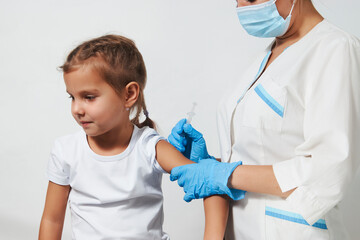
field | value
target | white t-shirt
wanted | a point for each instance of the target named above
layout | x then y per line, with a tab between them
111	197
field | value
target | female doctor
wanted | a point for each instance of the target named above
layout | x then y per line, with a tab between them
289	133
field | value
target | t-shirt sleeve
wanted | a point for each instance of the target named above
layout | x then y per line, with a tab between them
57	170
149	141
331	131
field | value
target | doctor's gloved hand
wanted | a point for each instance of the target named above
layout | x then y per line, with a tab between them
206	178
189	141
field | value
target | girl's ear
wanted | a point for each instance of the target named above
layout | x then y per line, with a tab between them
132	90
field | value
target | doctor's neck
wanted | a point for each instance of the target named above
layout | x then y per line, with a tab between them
304	18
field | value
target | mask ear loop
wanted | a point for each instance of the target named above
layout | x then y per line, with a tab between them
292	8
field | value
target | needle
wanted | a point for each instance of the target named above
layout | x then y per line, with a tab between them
191	114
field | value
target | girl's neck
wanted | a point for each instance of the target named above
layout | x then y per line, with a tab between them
113	142
306	18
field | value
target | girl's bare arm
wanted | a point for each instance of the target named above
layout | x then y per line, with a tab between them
216	207
52	221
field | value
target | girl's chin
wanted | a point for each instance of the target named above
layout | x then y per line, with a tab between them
91	132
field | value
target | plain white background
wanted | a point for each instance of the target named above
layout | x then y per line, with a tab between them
194	51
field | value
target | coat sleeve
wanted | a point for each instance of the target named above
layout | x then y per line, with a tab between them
331	132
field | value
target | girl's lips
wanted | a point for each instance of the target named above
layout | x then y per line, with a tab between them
85	124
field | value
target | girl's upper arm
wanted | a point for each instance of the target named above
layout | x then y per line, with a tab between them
56	201
169	157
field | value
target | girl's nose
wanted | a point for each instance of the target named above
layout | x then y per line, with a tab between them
77	109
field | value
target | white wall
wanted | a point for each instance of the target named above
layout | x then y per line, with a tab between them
193	49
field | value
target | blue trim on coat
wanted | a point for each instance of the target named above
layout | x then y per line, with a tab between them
269	100
292	217
261	69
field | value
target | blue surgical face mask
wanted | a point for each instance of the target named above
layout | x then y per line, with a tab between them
263	20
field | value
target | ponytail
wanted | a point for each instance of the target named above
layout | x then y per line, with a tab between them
141	107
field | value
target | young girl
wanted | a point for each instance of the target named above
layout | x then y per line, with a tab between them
110	173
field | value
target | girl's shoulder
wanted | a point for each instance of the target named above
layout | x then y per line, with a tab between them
145	133
146	143
147	136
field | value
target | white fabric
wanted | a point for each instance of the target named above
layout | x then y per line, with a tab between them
111	197
314	147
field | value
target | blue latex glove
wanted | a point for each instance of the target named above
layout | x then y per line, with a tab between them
206	178
189	141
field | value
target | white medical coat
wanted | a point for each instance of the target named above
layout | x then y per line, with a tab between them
303	117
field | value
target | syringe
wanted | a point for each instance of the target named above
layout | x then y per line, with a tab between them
191	113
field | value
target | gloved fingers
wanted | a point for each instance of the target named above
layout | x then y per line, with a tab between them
178	135
175	174
181	181
194	192
236	194
192	132
189	196
179	127
177	144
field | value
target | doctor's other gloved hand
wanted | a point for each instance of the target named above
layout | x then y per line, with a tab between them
188	141
206	178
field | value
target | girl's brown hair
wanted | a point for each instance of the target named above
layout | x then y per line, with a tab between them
119	62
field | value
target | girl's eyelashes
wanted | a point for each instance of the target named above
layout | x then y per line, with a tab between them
86	97
90	97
